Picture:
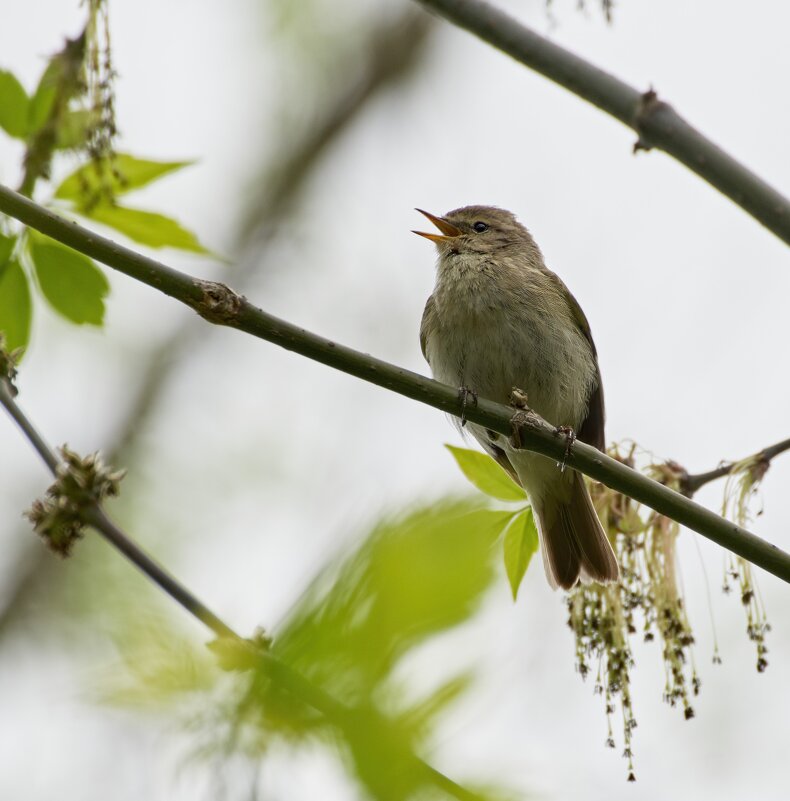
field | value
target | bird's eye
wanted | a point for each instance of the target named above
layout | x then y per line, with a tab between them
480	226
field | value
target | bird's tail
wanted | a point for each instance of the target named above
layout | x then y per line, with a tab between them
573	542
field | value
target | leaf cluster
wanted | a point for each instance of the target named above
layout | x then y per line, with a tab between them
49	121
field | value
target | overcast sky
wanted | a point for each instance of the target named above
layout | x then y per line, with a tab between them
686	295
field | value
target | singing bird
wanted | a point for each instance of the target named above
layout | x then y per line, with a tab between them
499	319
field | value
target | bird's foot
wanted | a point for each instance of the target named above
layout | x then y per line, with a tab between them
464	395
518	400
570	438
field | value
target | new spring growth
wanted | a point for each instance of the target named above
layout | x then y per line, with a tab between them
81	483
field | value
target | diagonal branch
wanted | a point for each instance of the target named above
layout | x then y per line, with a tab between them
692	482
392	53
657	123
220	305
336	713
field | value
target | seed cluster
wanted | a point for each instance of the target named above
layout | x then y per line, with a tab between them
80	482
648	600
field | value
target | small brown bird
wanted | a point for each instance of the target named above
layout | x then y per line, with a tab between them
498	318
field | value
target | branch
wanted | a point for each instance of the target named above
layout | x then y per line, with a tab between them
220	305
394	50
336	713
692	482
657	123
95	516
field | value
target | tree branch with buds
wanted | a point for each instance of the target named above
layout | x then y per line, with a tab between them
219	304
74	501
656	123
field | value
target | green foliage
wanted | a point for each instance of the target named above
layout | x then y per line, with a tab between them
486	474
521	542
92	188
43	99
521	535
14	106
128	173
146	227
71	282
15	305
331	675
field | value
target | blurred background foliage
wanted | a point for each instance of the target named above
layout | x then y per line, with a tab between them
382	602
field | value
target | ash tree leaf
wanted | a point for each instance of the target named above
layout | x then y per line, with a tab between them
16	310
6	248
41	103
146	227
70	281
14	106
521	542
129	173
486	474
72	130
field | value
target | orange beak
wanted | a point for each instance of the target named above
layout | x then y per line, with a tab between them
447	228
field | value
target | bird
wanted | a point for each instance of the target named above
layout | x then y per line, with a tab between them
499	319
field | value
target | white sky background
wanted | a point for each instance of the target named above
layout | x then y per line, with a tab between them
687	297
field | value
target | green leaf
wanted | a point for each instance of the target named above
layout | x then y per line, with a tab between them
486	474
14	105
73	129
6	248
146	227
15	307
129	173
521	541
40	105
71	282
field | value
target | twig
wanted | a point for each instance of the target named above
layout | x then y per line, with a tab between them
692	482
334	711
219	304
656	122
394	51
95	516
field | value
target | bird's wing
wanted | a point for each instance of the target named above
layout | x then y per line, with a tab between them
591	430
428	321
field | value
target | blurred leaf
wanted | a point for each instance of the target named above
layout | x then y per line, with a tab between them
158	664
6	248
486	474
73	129
146	227
43	98
71	282
129	173
15	306
14	106
416	576
521	542
421	717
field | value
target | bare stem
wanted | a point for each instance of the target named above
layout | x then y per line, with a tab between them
657	124
336	713
691	483
219	304
97	518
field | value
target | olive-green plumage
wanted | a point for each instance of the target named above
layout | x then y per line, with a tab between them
499	319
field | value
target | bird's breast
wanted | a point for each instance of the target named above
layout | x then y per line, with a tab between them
490	337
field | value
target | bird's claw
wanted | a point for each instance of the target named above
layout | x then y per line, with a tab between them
464	394
518	400
570	438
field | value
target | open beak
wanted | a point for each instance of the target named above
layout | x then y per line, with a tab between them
448	229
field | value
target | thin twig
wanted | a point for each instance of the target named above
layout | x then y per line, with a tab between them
336	713
220	305
692	482
394	48
95	516
656	122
